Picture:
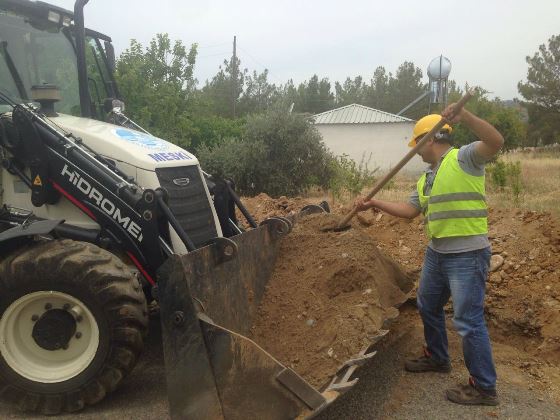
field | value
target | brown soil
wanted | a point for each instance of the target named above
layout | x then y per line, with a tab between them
330	294
523	295
263	206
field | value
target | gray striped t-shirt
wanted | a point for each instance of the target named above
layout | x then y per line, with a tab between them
472	163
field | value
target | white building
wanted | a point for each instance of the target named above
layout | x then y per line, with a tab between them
366	133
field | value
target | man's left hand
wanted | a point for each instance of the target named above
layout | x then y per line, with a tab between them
449	115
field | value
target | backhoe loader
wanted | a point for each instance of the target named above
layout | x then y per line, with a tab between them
98	218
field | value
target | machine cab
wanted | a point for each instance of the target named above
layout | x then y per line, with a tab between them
38	48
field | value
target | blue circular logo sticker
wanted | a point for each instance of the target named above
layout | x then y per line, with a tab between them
140	139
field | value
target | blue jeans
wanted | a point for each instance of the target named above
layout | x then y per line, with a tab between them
463	277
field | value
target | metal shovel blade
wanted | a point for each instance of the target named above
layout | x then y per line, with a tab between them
208	300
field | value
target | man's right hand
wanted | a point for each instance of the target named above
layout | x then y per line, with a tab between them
361	204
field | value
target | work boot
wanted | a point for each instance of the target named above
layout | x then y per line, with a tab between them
471	394
427	364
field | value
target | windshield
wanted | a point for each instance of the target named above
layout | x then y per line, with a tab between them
34	56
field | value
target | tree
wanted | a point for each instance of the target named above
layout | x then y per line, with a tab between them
258	95
157	84
314	96
352	91
225	88
378	90
385	92
542	93
404	88
507	120
161	95
288	95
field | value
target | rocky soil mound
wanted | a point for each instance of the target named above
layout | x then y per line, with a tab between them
524	286
329	296
263	206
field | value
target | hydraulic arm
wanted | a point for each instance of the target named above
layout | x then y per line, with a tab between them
133	219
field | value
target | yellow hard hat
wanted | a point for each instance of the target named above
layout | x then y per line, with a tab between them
424	125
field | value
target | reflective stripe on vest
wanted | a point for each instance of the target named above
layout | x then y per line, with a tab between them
456	197
457	214
456	205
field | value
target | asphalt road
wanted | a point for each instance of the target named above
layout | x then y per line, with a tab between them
142	395
386	391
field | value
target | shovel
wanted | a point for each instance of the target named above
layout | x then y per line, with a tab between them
343	225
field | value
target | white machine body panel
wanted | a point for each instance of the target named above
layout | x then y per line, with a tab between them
135	153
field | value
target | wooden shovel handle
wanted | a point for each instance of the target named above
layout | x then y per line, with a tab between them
430	134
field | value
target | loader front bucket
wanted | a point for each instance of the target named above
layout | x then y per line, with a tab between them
208	299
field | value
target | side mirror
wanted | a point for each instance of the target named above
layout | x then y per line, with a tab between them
110	53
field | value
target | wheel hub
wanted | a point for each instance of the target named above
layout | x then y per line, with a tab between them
37	324
54	329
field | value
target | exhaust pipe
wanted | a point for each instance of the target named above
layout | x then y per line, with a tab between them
85	102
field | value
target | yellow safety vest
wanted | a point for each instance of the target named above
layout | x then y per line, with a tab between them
456	205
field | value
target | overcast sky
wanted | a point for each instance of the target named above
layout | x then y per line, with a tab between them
486	41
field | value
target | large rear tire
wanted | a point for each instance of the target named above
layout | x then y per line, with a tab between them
72	318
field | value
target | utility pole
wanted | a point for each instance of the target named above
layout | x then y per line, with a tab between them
234	74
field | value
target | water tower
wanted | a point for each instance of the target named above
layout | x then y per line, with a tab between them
438	72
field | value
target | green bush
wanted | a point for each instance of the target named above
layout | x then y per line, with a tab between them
280	154
514	178
349	177
507	177
498	173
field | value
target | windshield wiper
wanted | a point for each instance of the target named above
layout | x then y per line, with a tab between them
13	70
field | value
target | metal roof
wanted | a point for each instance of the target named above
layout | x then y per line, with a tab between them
357	114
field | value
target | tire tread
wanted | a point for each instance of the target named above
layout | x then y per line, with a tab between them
118	292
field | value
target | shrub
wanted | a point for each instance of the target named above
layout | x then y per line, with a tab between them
280	154
349	177
497	172
507	176
514	177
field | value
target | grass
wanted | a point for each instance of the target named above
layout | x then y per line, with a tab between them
540	180
540	183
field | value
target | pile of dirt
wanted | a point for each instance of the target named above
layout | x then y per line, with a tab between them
523	302
329	295
263	206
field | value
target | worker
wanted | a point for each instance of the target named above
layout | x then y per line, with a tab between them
451	196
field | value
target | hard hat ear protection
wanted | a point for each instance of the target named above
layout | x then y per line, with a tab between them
425	124
443	135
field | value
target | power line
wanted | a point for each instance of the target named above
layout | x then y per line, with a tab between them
213	55
260	64
213	45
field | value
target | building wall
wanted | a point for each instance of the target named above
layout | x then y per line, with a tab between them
386	142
